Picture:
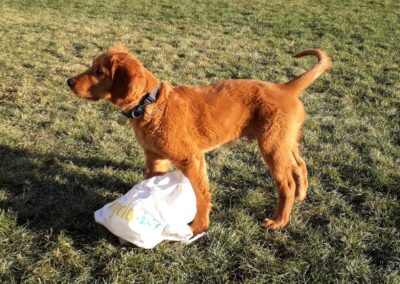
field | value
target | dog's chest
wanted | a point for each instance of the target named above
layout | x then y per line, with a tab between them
148	139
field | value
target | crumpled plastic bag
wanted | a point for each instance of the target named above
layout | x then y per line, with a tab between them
154	210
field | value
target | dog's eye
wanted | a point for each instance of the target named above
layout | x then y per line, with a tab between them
98	72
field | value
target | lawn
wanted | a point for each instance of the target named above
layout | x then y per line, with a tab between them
62	158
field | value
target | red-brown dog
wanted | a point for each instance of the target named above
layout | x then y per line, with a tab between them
180	124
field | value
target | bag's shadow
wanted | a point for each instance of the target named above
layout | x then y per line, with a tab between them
50	192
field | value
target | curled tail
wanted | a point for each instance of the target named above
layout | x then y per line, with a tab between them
302	82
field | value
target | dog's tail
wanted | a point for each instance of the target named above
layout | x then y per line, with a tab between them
302	82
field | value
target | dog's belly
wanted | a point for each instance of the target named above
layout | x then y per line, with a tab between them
222	125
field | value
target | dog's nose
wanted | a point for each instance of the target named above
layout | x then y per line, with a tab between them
71	83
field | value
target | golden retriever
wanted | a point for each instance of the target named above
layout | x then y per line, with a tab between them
179	124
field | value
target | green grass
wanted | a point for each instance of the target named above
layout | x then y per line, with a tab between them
62	158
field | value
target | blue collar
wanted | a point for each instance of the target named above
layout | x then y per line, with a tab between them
138	111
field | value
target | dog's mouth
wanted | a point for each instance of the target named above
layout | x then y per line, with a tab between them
79	93
86	97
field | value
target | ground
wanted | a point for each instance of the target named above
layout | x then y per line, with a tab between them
62	158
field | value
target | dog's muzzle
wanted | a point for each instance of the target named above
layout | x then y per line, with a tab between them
71	83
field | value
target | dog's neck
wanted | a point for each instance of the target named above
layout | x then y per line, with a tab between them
150	85
139	110
151	81
154	113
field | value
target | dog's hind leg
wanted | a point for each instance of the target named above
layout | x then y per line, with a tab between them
290	175
300	175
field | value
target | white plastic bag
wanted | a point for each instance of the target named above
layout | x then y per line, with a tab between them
154	210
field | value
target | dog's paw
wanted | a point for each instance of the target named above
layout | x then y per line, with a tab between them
300	195
273	224
199	226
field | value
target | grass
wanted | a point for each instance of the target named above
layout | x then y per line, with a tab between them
63	158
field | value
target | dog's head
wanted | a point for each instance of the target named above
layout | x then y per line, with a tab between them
115	76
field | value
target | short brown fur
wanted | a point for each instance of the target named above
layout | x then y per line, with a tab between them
187	121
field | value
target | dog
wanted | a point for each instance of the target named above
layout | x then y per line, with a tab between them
179	124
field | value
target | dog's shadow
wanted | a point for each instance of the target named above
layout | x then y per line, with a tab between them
50	192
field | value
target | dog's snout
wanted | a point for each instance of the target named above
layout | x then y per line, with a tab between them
71	82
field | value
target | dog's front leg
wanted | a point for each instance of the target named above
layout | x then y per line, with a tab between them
156	165
194	168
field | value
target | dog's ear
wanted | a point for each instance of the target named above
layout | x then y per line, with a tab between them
121	80
127	81
115	64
